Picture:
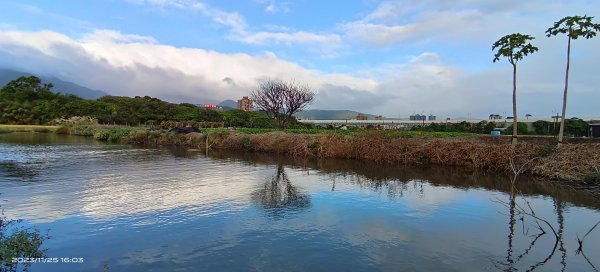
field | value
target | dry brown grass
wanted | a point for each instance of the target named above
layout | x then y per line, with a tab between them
570	162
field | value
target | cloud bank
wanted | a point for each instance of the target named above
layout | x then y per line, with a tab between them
130	65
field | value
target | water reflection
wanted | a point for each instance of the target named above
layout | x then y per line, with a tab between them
17	170
278	194
396	178
533	228
136	209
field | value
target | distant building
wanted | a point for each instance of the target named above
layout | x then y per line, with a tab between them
594	126
431	117
418	117
245	104
379	117
495	117
361	116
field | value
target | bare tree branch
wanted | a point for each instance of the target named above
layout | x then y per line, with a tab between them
281	100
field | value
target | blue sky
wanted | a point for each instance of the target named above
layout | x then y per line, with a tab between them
383	57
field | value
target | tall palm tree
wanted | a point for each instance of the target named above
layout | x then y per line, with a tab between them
574	27
514	47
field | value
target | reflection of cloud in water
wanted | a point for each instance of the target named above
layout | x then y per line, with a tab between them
203	193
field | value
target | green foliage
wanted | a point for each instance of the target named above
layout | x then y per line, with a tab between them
27	101
574	27
209	115
483	127
102	134
521	128
247	119
576	127
514	47
18	242
542	127
196	124
115	135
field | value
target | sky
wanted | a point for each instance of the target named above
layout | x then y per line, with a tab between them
393	58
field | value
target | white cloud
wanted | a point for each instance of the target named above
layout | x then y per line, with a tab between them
111	36
328	44
273	6
432	21
288	37
131	65
126	64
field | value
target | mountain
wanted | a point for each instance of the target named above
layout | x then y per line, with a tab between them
61	86
330	115
228	104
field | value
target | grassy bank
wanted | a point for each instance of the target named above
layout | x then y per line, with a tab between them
26	128
571	162
536	156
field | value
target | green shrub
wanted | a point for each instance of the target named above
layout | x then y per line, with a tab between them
542	127
18	242
102	135
522	129
116	134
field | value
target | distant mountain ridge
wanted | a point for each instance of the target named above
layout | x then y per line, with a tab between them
331	115
64	87
228	104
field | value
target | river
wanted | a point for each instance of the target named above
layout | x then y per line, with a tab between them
125	208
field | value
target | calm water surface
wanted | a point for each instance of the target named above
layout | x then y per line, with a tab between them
124	208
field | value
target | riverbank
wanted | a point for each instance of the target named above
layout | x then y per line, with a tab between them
27	128
578	163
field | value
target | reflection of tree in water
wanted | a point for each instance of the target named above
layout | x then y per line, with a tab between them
380	174
524	214
17	242
392	187
279	194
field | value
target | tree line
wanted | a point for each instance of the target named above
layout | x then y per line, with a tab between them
514	47
27	101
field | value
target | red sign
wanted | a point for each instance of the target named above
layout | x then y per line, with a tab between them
212	106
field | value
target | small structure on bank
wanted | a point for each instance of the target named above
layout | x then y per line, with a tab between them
495	117
594	128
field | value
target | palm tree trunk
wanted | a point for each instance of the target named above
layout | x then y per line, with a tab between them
564	107
514	135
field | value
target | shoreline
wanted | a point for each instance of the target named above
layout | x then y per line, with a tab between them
576	163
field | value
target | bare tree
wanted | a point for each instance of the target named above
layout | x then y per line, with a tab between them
281	100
